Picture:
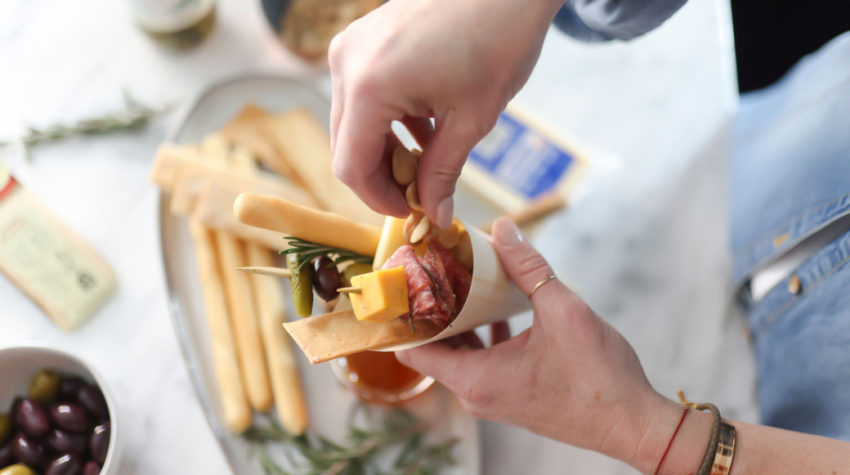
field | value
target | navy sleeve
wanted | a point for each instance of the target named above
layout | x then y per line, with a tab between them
605	20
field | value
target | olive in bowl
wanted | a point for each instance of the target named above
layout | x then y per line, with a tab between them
56	416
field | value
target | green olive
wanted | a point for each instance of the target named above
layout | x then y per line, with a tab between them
354	269
301	285
43	386
5	428
17	469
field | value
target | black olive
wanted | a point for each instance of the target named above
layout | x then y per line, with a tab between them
325	278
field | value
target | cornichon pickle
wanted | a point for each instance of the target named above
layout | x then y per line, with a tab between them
354	269
5	428
302	287
43	386
17	469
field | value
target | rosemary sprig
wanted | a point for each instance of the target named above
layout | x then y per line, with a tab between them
135	116
398	430
307	250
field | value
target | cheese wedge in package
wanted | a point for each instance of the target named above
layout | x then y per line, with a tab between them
520	161
49	263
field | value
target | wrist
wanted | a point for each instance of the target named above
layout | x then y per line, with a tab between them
687	448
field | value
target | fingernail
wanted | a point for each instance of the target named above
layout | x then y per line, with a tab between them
445	212
506	233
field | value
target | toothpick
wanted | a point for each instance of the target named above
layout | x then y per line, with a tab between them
349	290
275	271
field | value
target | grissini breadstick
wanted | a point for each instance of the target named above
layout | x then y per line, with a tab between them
268	296
237	413
244	130
352	335
175	165
283	366
276	214
214	208
243	319
304	143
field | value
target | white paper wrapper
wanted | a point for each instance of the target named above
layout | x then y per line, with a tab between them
492	295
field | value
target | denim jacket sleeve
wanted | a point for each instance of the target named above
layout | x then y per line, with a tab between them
605	20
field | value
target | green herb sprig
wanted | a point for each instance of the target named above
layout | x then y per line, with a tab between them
398	430
307	250
135	116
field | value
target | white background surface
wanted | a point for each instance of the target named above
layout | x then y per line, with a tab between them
644	243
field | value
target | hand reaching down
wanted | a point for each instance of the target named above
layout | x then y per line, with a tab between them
458	62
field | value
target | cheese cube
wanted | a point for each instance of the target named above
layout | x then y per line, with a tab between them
382	296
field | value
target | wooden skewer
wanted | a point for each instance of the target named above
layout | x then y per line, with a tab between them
349	290
281	272
275	271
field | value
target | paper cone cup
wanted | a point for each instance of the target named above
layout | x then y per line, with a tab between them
492	295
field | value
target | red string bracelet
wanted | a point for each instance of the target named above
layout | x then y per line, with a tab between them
670	444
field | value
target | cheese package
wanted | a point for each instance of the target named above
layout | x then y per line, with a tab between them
382	295
46	260
520	161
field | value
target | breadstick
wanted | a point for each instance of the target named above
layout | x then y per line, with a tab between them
284	216
243	316
304	143
175	165
244	130
283	367
237	413
214	208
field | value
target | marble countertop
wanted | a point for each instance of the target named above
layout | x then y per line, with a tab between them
644	241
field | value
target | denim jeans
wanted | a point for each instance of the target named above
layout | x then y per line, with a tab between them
790	175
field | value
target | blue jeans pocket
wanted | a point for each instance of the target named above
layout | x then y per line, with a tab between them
801	336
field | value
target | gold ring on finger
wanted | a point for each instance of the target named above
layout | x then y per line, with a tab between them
541	284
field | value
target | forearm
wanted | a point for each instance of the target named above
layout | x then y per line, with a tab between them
758	449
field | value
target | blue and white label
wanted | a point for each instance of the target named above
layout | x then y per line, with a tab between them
521	158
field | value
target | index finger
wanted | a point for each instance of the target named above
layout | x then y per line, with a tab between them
360	159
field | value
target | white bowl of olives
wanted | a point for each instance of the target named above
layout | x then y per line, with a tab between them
56	415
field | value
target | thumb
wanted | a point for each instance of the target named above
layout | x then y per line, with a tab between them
525	266
440	167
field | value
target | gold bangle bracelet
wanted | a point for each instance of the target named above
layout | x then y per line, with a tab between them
725	450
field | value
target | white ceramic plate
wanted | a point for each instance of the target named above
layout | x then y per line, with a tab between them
330	405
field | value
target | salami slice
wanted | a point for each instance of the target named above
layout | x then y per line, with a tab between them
420	293
437	286
442	287
458	276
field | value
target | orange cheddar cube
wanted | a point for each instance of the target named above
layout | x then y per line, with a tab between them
382	296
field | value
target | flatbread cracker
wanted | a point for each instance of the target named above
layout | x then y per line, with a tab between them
334	335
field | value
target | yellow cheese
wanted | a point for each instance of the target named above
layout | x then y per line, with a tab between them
382	297
392	238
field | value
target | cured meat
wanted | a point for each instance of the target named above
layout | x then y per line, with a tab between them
459	277
437	286
442	287
423	302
